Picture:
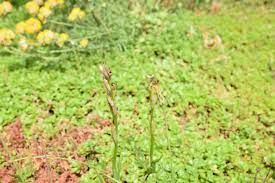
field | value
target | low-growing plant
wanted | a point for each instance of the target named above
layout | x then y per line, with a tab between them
220	108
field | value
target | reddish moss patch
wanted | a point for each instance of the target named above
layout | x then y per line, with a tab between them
50	158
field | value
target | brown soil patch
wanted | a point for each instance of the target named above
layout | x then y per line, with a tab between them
189	113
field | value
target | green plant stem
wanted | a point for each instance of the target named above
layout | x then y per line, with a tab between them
114	134
151	128
106	74
115	151
266	177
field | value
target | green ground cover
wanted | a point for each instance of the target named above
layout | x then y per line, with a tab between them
216	124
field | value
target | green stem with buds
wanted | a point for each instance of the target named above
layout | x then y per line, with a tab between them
106	75
153	89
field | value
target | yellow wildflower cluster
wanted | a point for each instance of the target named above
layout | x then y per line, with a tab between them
53	3
5	8
32	7
44	12
42	9
75	14
47	37
30	26
29	34
25	44
6	36
61	39
39	2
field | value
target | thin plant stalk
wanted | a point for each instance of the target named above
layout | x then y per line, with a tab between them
151	127
153	90
256	174
266	177
106	75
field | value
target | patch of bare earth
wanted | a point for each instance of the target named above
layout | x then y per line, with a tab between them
189	113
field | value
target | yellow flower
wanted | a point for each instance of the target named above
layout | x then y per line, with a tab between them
2	10
32	7
38	2
32	26
46	37
75	14
20	27
44	12
81	14
60	2
40	37
84	42
51	3
62	38
23	44
7	7
6	36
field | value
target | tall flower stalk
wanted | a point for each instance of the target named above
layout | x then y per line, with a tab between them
154	98
110	92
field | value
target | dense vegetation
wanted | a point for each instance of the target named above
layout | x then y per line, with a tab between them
215	121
